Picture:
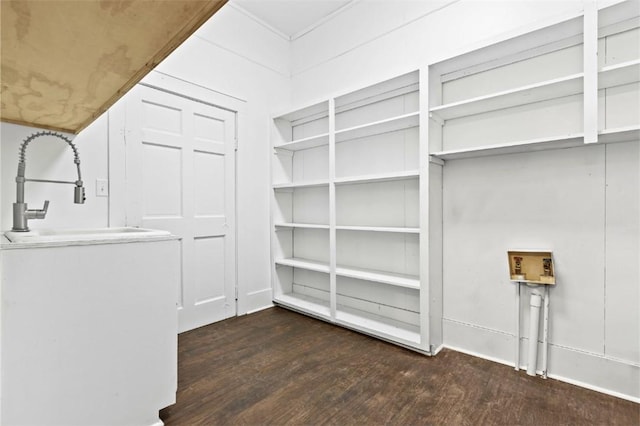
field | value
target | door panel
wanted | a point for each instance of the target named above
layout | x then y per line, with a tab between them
181	178
208	167
209	275
161	192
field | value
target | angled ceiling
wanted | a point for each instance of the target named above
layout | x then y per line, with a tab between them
291	18
65	62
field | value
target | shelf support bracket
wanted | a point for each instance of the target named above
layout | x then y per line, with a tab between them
436	118
436	160
282	151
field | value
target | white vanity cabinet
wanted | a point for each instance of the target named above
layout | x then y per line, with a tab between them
89	331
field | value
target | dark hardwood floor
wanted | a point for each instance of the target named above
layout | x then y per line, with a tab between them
278	367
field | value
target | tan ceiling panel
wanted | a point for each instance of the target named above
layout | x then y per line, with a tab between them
65	62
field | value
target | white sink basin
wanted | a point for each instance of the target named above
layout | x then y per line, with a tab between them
90	234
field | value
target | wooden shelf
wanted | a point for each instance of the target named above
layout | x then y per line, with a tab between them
305	143
304	114
388	89
399	280
378	325
620	134
311	265
617	13
381	177
397	229
304	303
301	225
619	74
541	144
528	94
307	184
388	125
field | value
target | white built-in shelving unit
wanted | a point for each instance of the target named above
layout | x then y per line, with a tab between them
349	241
572	82
358	178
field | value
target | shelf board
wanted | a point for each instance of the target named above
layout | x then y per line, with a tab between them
294	185
399	280
379	229
550	89
301	225
381	91
311	265
620	134
306	113
305	143
619	74
540	144
393	124
378	325
304	303
379	177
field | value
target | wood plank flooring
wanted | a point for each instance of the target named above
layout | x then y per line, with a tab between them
277	367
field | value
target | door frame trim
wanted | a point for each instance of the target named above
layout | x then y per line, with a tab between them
117	137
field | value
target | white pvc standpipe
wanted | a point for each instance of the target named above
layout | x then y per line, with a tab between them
545	332
517	361
534	320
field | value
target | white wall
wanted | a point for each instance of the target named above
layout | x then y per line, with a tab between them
587	210
569	201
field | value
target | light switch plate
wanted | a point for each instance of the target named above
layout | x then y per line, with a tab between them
102	188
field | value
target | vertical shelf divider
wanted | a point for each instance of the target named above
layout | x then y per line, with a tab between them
332	210
424	208
590	57
430	223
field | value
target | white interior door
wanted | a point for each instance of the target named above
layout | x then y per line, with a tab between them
181	178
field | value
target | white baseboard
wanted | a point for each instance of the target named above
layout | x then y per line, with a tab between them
437	350
257	301
592	371
595	388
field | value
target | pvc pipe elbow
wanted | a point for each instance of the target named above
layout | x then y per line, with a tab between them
536	300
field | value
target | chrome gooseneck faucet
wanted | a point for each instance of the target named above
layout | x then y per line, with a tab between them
21	214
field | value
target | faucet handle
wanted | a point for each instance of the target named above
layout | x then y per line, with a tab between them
38	214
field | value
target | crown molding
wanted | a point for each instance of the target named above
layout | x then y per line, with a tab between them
258	21
324	20
298	34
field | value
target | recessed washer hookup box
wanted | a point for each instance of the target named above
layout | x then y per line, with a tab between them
531	266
